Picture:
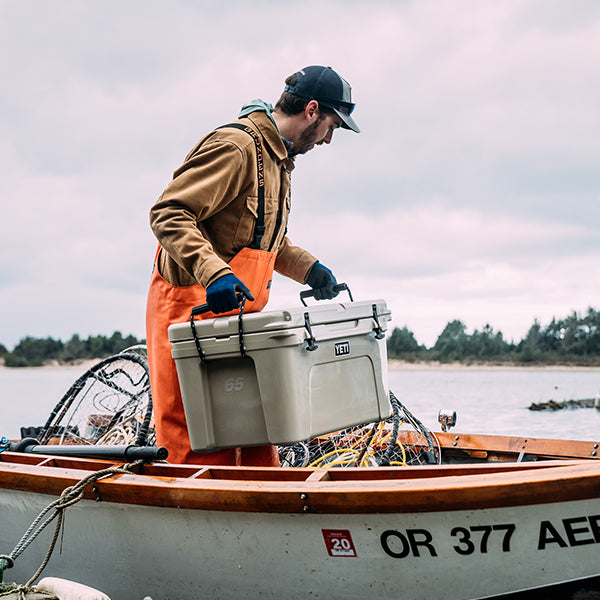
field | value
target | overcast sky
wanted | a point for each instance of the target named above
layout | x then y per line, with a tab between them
472	193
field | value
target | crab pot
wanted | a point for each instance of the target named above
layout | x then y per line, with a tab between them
279	377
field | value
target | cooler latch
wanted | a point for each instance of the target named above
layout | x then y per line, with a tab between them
377	329
310	342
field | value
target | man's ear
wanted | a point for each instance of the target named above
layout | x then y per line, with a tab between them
311	112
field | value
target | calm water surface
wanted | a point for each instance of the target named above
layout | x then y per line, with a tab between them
486	401
496	401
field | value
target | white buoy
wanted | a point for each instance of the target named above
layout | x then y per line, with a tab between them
69	590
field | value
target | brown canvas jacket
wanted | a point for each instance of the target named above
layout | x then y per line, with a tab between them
207	213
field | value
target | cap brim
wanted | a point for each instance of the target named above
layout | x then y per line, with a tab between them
347	120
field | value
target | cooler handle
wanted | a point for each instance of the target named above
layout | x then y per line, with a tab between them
338	287
204	308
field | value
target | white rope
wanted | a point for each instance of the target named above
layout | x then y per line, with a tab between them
69	496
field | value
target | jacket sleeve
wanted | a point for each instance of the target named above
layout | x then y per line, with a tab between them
293	261
206	183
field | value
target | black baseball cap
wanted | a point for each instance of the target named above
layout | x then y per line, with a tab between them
325	86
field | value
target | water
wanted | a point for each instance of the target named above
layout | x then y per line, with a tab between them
486	400
29	395
496	401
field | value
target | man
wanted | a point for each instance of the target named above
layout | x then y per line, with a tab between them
221	228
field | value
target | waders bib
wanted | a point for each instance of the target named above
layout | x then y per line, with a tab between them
168	304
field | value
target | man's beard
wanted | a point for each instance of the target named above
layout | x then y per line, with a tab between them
307	139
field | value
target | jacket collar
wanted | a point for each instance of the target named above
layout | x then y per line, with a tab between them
270	134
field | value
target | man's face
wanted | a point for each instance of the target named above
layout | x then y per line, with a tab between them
316	133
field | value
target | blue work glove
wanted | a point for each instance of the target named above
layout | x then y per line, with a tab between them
322	280
221	295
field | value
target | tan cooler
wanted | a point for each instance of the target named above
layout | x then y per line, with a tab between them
288	376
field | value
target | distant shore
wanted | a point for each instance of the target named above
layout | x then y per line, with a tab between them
393	365
81	365
402	365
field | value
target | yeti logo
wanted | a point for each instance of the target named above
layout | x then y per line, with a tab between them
342	348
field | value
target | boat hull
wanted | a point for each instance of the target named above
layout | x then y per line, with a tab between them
500	516
132	551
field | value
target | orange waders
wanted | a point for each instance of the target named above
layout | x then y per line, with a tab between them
168	304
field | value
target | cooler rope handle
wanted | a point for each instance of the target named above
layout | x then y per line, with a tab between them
204	308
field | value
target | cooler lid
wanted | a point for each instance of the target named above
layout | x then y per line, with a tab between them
283	319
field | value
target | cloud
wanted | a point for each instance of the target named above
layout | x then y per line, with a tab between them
435	263
471	193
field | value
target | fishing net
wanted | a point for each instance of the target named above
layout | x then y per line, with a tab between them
401	439
109	404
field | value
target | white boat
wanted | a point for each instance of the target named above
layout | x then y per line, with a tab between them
461	530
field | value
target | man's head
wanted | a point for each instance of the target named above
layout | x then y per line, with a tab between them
315	102
325	86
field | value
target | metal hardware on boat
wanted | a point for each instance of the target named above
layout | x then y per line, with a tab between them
447	418
97	492
304	498
310	342
378	330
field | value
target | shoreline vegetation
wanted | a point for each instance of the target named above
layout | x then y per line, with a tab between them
572	342
569	343
394	364
41	352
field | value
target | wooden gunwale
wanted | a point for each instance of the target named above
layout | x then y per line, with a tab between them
511	447
331	491
337	490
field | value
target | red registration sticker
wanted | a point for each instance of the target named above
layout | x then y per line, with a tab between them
339	542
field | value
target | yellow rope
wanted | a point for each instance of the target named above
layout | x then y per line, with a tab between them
319	461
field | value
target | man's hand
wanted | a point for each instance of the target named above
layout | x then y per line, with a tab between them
322	280
221	295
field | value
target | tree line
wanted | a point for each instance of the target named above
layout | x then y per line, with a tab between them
35	352
573	340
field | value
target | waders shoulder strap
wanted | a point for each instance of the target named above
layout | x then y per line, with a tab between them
259	229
